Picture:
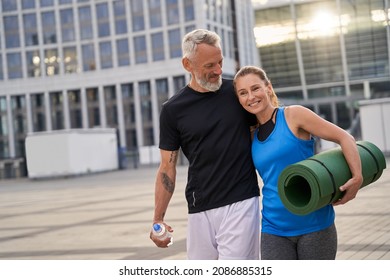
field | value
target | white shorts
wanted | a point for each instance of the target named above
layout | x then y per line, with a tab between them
231	232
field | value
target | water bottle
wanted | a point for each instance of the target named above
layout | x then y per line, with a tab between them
162	233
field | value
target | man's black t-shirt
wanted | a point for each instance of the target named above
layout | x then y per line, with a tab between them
212	130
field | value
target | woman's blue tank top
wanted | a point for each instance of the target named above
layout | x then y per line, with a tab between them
270	157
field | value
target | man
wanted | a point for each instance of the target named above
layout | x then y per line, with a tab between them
206	121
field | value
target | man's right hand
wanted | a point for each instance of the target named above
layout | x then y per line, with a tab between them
162	243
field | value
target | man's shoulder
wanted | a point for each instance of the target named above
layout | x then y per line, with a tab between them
227	85
227	82
177	97
227	88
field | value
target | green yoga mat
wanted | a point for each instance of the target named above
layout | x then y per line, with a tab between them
310	184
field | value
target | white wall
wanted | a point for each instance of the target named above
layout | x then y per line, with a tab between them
149	155
71	152
375	122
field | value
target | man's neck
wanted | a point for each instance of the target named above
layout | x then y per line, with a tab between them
194	86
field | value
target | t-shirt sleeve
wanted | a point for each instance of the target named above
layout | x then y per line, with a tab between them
169	135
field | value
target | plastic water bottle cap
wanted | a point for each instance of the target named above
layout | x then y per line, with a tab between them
157	227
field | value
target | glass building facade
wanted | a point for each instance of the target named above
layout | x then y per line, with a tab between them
79	64
326	54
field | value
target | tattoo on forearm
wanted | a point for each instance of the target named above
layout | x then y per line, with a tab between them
173	157
168	183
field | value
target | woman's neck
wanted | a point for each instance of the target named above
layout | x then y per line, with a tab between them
265	115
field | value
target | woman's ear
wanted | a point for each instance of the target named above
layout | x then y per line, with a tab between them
270	89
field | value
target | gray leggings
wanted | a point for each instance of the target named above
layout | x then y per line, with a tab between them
319	245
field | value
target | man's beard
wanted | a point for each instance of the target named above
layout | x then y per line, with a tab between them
208	85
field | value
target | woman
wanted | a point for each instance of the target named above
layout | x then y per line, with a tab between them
284	136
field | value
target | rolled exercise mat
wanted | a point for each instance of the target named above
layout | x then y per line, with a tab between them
310	184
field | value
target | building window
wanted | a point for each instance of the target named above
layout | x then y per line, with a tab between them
128	110
56	109
105	55
155	19
322	60
158	46
11	32
88	53
291	95
19	117
33	61
103	20
174	43
366	39
62	2
111	109
3	117
275	38
123	52
120	17
38	112
172	8
27	4
146	104
137	15
178	83
4	151
131	139
67	25
140	49
326	92
148	136
14	65
18	104
162	92
85	21
343	110
47	3
51	62
189	13
9	5
93	107
1	68
231	40
319	42
127	91
70	60
30	30
49	28
74	100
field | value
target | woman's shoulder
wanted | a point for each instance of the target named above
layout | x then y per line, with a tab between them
298	115
295	110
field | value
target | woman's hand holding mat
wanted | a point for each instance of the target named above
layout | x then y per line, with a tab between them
313	183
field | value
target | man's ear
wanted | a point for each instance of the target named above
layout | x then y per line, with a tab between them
186	64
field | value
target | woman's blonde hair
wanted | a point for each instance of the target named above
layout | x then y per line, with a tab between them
246	70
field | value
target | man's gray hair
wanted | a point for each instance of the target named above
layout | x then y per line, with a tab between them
199	36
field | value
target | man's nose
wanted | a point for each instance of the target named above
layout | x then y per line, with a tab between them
218	70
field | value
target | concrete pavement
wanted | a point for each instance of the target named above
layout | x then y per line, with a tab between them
108	216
